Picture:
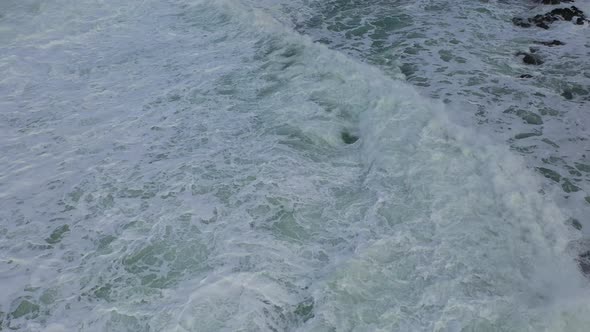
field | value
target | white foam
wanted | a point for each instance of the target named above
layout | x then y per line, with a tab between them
195	152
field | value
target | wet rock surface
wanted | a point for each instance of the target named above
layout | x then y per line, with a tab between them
531	59
554	2
558	14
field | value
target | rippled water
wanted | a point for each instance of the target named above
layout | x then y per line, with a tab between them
289	166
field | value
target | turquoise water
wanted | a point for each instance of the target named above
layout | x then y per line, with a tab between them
268	166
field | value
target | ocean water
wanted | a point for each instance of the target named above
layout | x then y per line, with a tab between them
339	165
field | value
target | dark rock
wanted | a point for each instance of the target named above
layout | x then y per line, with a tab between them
554	42
526	76
555	2
521	22
533	49
550	142
531	59
575	223
567	95
526	135
543	20
567	13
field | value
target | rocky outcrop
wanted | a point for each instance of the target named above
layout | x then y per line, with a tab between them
558	14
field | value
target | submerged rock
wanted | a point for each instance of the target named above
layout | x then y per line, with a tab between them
552	43
57	234
531	59
567	95
550	142
526	135
530	117
305	310
25	308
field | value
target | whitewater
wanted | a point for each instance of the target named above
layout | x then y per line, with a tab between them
241	165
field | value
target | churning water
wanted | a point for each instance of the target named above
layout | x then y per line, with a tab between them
241	165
